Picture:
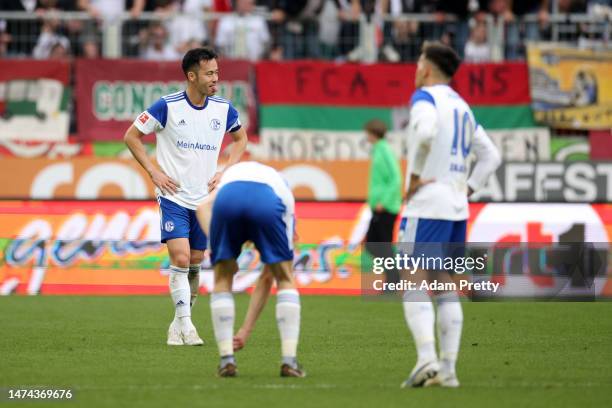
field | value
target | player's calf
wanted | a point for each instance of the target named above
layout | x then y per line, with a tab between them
288	320
223	315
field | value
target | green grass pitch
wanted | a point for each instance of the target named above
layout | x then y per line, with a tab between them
112	352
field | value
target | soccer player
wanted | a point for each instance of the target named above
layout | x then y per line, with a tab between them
189	126
253	203
442	134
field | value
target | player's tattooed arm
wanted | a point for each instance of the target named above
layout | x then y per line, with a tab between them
133	140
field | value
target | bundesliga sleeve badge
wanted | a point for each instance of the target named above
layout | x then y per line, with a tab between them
143	118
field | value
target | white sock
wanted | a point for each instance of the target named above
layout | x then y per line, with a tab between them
194	282
288	321
420	317
223	315
179	291
450	323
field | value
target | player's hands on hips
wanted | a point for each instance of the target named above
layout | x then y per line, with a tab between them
212	184
240	339
163	182
415	185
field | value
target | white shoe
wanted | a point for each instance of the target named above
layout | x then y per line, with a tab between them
422	375
175	337
445	380
191	338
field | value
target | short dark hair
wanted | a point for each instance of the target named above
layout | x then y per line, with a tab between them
376	127
194	56
442	56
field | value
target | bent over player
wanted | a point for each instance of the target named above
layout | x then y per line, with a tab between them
189	126
253	203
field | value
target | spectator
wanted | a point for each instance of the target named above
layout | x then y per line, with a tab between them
477	48
60	50
455	33
295	23
156	44
368	28
348	12
601	8
5	39
17	43
532	30
185	23
90	48
401	40
384	194
329	30
50	37
71	28
110	9
244	35
572	6
598	34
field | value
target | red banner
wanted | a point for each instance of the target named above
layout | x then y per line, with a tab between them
34	99
111	93
327	83
30	69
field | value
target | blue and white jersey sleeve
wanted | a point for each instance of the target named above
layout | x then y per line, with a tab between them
423	116
154	118
422	129
488	159
233	120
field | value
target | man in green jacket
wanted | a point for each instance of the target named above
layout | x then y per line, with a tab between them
384	194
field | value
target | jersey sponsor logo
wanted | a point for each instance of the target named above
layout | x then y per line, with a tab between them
196	146
169	226
143	118
182	122
215	124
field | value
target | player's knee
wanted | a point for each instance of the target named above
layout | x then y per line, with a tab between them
282	272
196	257
266	277
181	259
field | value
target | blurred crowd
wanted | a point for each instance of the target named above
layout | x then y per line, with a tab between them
353	30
